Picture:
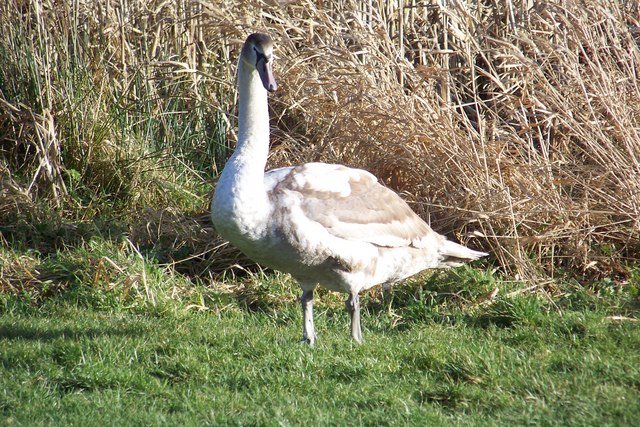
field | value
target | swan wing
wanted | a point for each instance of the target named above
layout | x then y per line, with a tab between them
351	204
274	177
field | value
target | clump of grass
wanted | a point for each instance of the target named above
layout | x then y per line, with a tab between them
102	121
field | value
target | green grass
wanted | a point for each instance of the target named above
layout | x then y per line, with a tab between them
143	345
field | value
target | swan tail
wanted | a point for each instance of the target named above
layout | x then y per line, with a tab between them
455	254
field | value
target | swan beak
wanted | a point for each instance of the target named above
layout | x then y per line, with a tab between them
266	75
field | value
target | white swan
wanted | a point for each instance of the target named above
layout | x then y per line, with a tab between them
322	223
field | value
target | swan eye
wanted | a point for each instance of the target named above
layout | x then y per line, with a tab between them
259	56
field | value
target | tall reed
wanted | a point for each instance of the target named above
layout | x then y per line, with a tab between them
512	126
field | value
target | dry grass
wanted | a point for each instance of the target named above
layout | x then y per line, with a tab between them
512	126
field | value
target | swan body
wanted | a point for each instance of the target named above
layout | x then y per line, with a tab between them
324	224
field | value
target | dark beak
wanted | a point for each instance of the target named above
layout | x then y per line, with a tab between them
266	75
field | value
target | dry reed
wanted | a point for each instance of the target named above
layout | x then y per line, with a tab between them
511	126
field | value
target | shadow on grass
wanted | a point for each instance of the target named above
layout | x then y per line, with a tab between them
48	233
46	255
42	334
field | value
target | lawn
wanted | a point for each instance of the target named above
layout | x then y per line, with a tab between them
435	353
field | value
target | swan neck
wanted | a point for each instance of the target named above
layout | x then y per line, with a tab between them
253	117
240	204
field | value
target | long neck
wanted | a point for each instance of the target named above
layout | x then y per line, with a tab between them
253	121
240	196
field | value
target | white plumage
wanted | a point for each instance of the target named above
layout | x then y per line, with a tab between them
324	224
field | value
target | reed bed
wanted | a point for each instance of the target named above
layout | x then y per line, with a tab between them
511	126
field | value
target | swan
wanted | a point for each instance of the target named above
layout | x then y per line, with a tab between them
325	224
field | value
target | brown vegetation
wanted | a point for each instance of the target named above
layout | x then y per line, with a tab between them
513	126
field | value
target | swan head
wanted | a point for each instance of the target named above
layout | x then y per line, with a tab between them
257	53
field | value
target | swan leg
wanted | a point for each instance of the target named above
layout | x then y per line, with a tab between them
308	332
353	307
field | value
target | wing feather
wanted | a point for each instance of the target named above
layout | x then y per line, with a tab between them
351	204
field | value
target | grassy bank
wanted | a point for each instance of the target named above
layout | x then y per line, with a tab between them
148	351
127	340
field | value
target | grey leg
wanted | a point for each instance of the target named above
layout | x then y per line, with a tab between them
353	307
308	332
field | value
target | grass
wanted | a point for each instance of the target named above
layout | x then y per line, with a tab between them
143	345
